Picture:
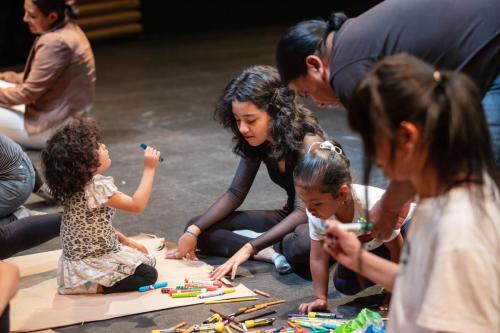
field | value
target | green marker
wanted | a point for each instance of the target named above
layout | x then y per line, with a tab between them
183	295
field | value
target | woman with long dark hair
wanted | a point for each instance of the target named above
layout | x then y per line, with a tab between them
269	126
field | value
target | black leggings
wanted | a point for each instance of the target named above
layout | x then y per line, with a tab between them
144	275
4	320
348	282
28	232
220	240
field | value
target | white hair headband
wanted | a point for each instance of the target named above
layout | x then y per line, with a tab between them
326	145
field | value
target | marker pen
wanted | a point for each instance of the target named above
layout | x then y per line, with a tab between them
188	294
206	282
153	286
218	327
209	287
217	293
358	228
144	146
324	315
259	322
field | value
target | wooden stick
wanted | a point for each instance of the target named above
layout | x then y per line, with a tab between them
178	326
280	301
232	300
229	319
263	306
260	292
234	326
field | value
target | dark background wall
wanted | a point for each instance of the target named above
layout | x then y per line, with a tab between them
160	17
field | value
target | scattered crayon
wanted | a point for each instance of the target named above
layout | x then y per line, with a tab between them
227	319
208	287
232	300
261	315
226	282
168	330
274	330
216	317
190	329
178	325
153	286
260	292
263	306
295	327
217	293
236	327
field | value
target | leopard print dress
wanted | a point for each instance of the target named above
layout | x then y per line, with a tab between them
92	254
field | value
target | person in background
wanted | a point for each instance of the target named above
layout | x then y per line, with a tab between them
58	80
9	284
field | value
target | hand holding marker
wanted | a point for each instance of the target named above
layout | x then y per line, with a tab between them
144	146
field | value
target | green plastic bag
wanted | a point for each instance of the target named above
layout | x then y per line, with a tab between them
364	319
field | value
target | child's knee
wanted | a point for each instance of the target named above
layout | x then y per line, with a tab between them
345	286
150	274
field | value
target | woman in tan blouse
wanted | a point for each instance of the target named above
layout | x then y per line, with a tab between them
58	80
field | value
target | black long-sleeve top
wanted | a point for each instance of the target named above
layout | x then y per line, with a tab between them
238	190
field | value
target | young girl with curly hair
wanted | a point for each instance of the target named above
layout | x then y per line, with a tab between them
96	258
269	126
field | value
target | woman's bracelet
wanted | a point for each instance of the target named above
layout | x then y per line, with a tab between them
191	233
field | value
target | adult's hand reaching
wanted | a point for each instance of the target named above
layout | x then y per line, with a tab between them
231	265
186	247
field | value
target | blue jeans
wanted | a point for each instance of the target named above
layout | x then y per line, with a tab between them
16	187
491	105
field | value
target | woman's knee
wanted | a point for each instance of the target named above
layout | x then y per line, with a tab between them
296	246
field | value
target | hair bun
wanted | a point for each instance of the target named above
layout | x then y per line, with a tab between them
335	21
71	8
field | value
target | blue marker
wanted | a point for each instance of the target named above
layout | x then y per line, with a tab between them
144	146
153	286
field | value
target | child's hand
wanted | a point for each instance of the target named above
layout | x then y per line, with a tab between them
317	304
343	245
135	245
151	158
